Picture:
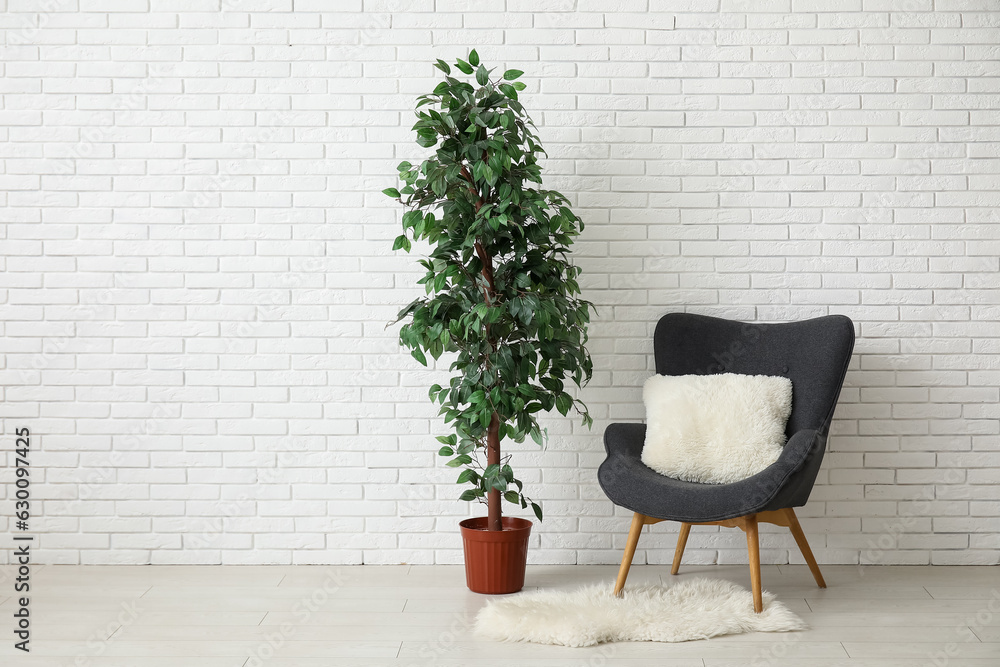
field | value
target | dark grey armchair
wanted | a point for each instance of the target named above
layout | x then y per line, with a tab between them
814	354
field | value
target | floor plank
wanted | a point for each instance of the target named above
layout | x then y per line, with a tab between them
924	650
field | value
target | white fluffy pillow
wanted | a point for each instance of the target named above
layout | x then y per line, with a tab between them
714	429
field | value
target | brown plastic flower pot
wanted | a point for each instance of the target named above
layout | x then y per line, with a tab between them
495	560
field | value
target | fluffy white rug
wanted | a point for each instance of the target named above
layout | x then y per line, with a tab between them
693	609
714	429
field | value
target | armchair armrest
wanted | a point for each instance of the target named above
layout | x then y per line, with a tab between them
802	445
625	438
799	464
764	487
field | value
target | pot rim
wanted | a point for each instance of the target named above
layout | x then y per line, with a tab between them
511	524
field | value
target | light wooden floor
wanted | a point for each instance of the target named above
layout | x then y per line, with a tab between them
176	616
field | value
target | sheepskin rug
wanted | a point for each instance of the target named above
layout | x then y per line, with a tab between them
693	609
714	429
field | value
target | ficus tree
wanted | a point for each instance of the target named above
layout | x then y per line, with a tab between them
501	291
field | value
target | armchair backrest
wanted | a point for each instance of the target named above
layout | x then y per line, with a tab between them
813	354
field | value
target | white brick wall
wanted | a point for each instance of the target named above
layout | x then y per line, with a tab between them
196	266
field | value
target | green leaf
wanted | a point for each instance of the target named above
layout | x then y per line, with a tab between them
419	356
461	460
508	90
563	403
537	510
550	383
443	66
464	66
512	74
467	475
411	218
512	497
468	495
391	192
473	58
482	76
446	451
401	242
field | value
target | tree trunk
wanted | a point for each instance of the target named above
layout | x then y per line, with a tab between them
493	456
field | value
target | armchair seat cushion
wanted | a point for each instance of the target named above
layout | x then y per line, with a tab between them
628	482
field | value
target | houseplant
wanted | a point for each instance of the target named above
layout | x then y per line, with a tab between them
500	292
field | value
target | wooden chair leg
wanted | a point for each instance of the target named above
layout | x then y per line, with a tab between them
682	539
753	550
638	521
800	539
